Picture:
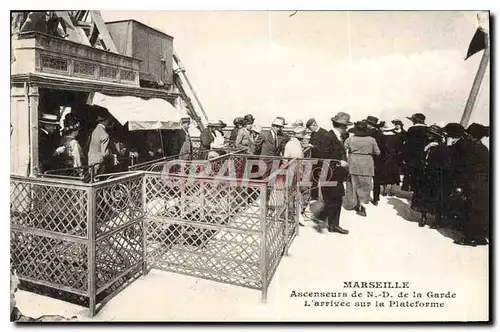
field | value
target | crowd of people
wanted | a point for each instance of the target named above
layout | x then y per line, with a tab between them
445	168
101	144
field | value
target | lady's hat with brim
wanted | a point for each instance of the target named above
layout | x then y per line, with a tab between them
388	127
360	128
478	131
455	130
371	120
397	122
298	123
279	121
249	118
417	118
71	123
299	132
238	121
342	118
435	130
49	119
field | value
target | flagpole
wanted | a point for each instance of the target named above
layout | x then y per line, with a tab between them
477	83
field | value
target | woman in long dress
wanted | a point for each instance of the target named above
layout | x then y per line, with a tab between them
432	185
361	148
392	153
473	180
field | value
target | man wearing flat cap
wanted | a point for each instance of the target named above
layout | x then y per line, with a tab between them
416	141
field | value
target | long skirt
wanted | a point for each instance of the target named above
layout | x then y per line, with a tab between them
361	188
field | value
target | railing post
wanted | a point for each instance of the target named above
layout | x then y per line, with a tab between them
91	253
263	230
144	226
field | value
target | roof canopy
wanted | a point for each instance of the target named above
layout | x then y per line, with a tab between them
141	114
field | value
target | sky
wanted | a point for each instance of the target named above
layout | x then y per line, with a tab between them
317	63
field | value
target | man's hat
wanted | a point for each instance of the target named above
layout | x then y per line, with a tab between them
310	122
435	130
417	118
454	130
49	118
185	119
342	118
256	128
218	123
279	121
372	120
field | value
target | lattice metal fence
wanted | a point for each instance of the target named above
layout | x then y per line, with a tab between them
85	239
213	219
212	222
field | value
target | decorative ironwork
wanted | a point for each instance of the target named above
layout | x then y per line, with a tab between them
84	68
108	72
127	75
118	203
54	63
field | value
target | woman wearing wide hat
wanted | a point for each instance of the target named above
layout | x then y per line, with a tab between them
416	140
73	153
472	181
433	184
392	151
361	148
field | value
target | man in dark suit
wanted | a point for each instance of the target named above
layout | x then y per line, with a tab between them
416	140
320	148
332	151
270	142
49	141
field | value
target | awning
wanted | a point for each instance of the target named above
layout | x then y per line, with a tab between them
141	114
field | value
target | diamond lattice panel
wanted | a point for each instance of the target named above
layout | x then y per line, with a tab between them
51	208
48	259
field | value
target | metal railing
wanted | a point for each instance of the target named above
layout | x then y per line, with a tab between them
211	219
84	239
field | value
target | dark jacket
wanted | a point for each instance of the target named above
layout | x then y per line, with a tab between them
334	151
319	140
416	141
267	145
48	143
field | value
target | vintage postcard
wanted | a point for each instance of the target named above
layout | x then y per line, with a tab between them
250	166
